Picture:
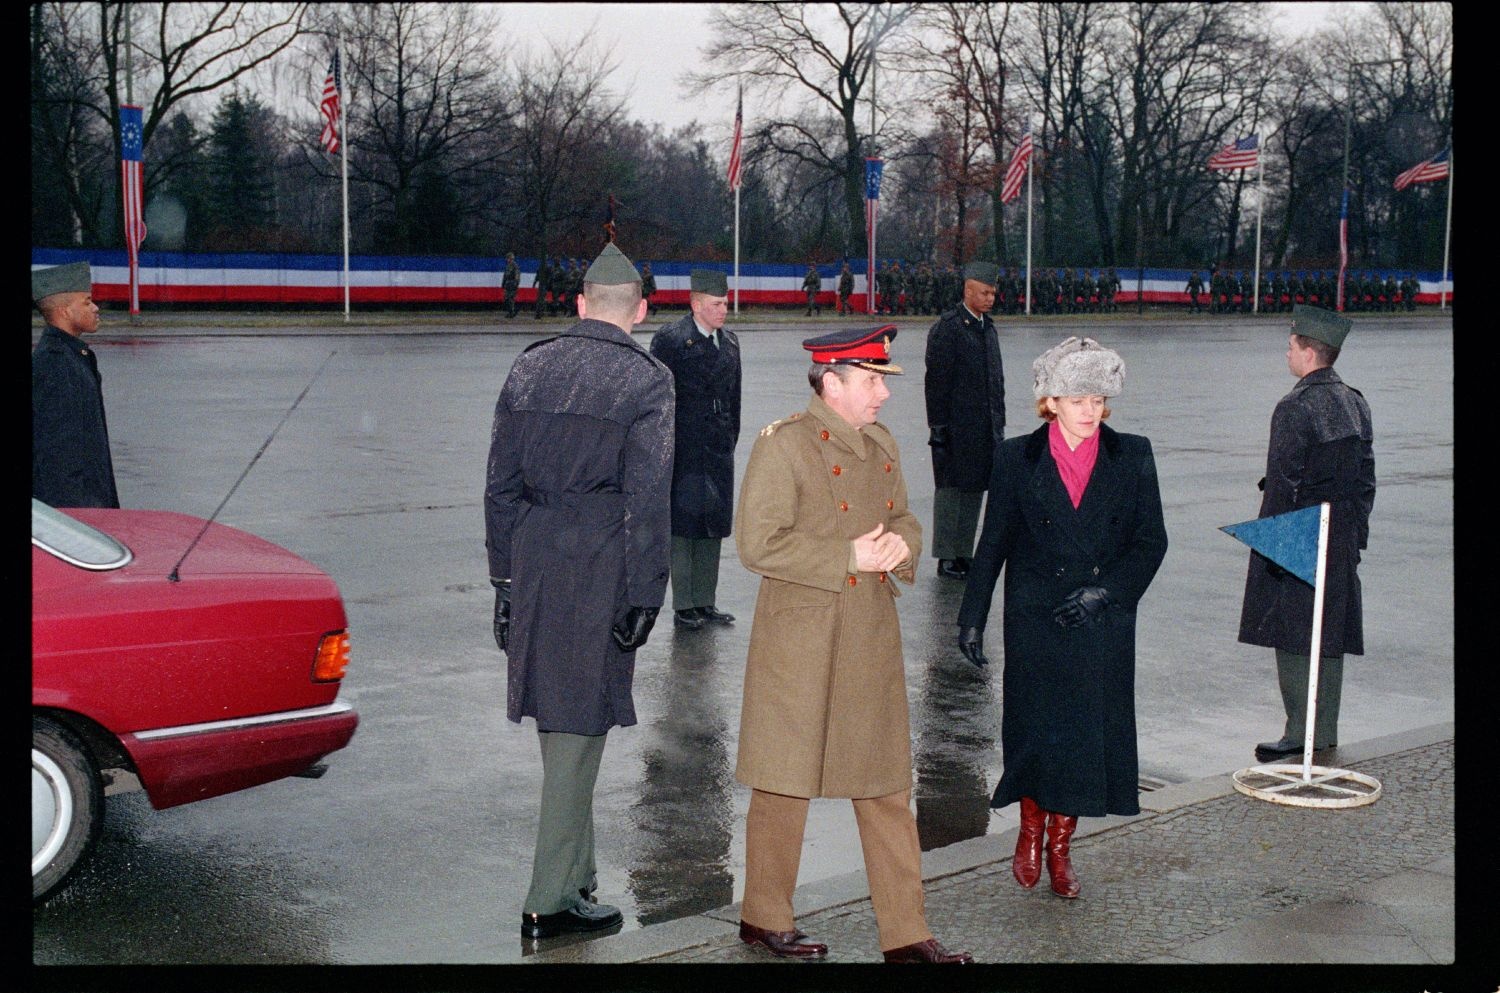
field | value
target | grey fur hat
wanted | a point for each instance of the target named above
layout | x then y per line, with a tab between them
1078	367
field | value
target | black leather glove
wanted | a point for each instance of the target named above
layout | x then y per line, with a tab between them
502	612
937	440
631	630
1276	571
1084	605
971	643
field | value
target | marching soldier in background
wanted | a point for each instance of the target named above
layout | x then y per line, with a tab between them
510	284
811	284
1113	283
541	281
846	289
1409	290
648	288
823	519
1194	287
965	395
705	361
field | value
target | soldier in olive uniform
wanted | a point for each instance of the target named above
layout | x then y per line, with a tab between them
1086	292
846	289
1389	302
823	519
1409	289
924	289
510	284
648	288
811	284
541	281
1194	287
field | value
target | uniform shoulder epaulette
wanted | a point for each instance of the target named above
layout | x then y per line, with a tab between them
770	429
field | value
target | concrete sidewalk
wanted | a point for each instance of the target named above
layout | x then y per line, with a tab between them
1203	874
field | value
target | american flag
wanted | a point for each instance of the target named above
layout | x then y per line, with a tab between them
132	187
330	106
1343	249
1242	154
873	168
1017	170
1430	171
735	162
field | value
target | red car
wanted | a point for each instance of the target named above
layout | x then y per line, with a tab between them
172	655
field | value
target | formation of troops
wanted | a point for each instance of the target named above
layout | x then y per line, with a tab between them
925	289
1234	293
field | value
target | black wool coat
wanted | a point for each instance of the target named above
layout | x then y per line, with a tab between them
965	391
1068	727
1321	449
708	426
576	516
70	461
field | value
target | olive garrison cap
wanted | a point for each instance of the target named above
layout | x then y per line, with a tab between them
611	268
985	272
868	348
1078	367
711	281
71	278
1324	325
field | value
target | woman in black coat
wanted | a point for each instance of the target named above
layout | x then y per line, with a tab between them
1075	518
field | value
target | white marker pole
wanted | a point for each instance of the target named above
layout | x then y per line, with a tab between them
1317	643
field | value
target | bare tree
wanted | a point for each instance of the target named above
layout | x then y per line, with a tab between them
69	143
774	47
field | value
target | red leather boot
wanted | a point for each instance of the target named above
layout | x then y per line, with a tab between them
1060	828
1026	866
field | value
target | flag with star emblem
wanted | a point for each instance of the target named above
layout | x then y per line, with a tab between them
132	185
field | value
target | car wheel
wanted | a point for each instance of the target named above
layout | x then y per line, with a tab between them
67	805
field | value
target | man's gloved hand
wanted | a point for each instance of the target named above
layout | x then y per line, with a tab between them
631	630
971	643
502	611
937	440
1084	605
1276	571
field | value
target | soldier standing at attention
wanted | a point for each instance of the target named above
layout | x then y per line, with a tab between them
705	363
648	288
823	519
510	284
1194	287
577	521
542	283
965	394
811	284
846	289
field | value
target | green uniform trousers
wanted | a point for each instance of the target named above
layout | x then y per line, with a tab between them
955	515
695	572
893	863
1292	674
564	859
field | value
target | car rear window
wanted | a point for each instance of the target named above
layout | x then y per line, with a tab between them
74	541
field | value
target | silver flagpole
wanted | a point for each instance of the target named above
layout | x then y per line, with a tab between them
1447	233
344	148
1260	190
1029	160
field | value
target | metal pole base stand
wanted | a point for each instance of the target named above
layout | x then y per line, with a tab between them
1307	786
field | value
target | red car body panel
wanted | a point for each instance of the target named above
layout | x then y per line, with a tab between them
235	637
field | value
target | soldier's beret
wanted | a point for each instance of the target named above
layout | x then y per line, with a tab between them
1078	367
75	277
985	272
1324	325
714	282
868	348
611	268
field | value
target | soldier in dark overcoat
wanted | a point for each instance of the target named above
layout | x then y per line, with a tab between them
577	522
704	358
71	464
1075	519
965	394
1321	449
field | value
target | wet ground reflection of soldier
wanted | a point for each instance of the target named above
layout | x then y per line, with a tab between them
685	813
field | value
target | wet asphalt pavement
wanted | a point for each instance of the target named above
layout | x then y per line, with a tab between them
416	845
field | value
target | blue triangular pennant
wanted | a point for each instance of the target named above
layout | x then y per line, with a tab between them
1290	540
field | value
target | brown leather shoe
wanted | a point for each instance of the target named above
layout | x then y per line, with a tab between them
788	944
930	950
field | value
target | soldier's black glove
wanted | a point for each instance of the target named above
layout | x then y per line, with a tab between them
1084	605
502	611
937	440
1276	571
971	643
631	630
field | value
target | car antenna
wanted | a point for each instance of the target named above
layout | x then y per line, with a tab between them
172	576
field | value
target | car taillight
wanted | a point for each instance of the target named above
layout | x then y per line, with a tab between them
333	657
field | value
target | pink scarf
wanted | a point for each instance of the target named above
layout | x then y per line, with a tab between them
1074	465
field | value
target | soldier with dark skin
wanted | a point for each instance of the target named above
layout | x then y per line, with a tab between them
510	284
812	283
71	465
577	520
846	289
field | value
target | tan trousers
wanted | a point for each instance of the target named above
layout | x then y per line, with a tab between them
893	863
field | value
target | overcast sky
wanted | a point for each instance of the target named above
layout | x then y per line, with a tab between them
656	43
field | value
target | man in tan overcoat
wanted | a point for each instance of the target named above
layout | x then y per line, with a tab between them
823	519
